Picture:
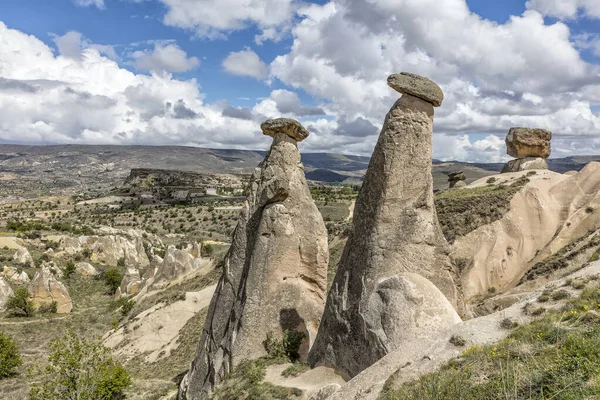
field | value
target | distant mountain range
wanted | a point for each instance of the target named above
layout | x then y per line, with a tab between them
36	169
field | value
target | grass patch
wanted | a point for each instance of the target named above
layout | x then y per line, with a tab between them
246	382
295	369
556	356
462	211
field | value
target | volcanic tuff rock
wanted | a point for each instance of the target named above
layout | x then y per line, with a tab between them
396	232
23	257
528	142
417	86
275	273
130	284
5	293
108	249
45	288
85	269
454	178
13	274
525	164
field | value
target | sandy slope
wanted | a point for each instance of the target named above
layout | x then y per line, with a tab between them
548	213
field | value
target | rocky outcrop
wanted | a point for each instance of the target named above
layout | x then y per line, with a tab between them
176	263
13	274
85	269
275	273
396	234
44	289
456	179
525	164
529	146
130	284
548	213
5	293
23	257
108	249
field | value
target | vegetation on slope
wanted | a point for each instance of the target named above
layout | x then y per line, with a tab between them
461	211
557	356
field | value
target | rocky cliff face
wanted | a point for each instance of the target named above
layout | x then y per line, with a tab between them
370	310
274	276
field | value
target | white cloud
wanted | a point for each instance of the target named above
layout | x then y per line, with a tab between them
169	58
212	19
87	3
94	100
246	63
70	44
495	76
566	9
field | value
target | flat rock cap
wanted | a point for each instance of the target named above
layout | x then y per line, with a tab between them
290	127
417	86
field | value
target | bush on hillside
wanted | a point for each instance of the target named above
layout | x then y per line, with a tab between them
10	359
19	304
78	369
112	278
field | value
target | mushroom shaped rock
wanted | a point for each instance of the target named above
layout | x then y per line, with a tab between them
395	232
275	272
417	86
289	126
528	142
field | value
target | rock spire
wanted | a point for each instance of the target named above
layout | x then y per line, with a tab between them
275	273
395	279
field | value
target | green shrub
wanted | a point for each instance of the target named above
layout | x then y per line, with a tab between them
286	348
295	369
121	262
207	250
19	304
457	341
10	359
69	269
48	308
124	304
112	278
491	180
78	369
560	295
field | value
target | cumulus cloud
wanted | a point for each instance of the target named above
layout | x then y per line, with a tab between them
566	9
72	44
495	76
246	63
213	19
94	100
289	103
87	3
238	112
168	57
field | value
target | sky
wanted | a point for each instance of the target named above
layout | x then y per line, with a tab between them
208	72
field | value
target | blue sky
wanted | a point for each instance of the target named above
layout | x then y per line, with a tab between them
195	72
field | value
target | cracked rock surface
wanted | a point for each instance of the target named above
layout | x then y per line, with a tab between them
275	273
395	265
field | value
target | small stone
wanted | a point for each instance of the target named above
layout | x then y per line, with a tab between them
528	142
290	127
417	86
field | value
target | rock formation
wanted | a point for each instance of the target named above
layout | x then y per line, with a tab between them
275	273
396	255
44	288
23	257
456	179
130	284
5	293
85	269
529	146
108	249
13	274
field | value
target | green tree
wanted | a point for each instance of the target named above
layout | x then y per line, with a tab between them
207	250
70	269
19	304
78	369
113	278
10	359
